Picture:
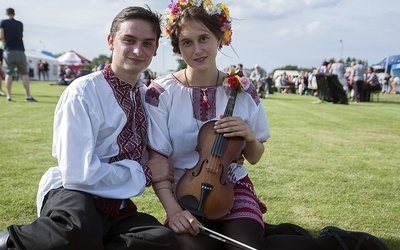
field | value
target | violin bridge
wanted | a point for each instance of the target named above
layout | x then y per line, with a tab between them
212	170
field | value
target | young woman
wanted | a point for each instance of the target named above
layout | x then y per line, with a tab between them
179	105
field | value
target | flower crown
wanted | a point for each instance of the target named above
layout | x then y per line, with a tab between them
220	10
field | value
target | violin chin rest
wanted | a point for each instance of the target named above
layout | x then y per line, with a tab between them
190	203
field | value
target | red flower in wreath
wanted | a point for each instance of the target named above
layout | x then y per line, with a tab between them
234	81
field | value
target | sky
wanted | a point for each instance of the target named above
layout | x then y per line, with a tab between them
270	33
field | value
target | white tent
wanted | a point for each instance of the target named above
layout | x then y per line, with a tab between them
72	58
35	56
69	58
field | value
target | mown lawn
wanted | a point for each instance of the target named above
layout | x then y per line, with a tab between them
325	164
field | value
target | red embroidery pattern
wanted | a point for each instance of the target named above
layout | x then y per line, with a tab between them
204	110
246	204
133	135
253	92
153	94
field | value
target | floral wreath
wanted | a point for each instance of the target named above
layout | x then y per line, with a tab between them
220	10
236	80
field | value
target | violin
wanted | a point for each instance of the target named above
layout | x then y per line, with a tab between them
206	190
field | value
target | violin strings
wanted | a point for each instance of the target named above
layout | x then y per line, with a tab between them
220	141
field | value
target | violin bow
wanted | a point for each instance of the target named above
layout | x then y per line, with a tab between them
224	238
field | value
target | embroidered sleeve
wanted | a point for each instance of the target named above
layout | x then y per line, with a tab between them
148	174
253	92
153	94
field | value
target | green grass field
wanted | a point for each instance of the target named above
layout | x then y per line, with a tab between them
325	164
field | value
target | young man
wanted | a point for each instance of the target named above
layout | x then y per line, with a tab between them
100	130
11	31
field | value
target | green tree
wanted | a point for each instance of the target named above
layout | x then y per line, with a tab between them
99	60
349	60
293	67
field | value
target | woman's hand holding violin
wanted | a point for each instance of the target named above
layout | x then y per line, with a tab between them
234	126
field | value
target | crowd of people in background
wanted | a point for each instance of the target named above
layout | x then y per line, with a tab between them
67	74
357	80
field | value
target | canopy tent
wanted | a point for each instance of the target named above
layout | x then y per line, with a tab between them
34	57
71	58
386	63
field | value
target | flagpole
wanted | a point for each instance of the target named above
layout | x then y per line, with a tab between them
387	64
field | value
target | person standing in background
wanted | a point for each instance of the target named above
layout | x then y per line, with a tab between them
31	67
1	68
239	70
386	83
40	69
323	69
45	70
256	75
357	81
11	32
338	69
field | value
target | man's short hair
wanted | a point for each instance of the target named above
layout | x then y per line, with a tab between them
135	12
10	11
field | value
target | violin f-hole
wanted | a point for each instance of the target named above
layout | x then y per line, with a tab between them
223	183
194	174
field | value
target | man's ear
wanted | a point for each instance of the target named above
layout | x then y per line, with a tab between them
155	51
110	41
